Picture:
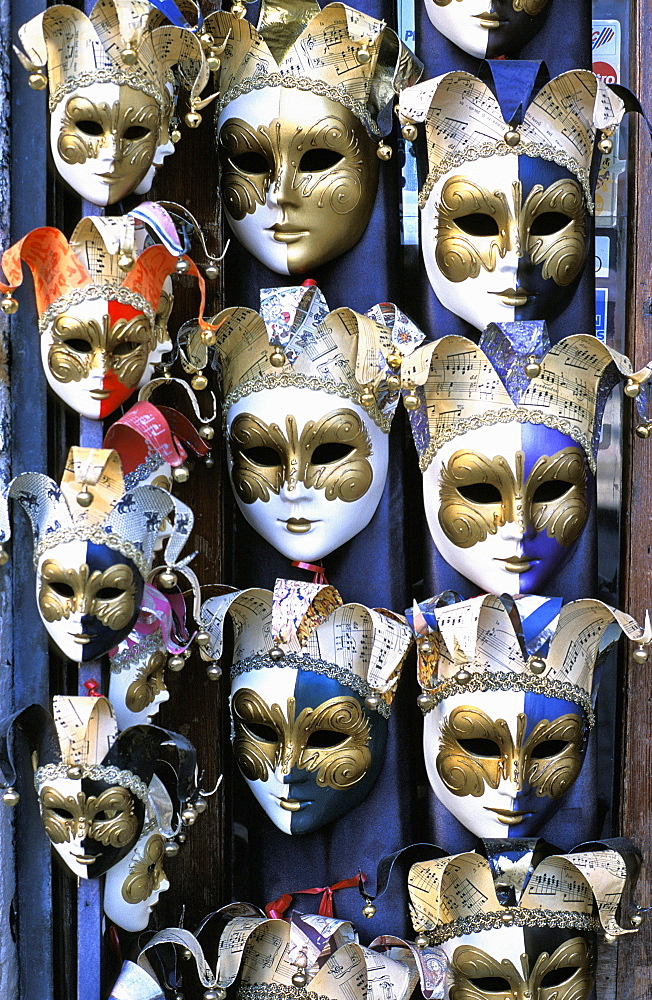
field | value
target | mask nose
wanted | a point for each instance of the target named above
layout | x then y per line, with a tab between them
282	193
294	490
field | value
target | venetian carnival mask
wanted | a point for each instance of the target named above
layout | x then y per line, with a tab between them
506	203
137	686
308	434
506	723
507	510
299	157
488	29
313	683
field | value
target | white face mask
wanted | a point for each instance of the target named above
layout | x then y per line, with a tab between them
296	456
486	29
104	138
504	522
133	886
164	149
137	692
530	747
496	251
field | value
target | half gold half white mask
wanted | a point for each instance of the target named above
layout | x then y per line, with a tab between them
299	157
508	689
506	203
308	399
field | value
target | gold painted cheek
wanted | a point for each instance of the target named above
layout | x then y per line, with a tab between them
131	124
476	497
337	449
260	456
71	350
473	229
114	822
335	743
566	974
557	495
111	596
60	814
143	691
474	750
59	591
553	755
146	872
553	223
258	741
129	345
246	165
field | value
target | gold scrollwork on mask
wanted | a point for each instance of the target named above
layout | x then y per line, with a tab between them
478	495
330	454
531	7
108	818
129	128
79	346
566	974
475	226
150	683
109	595
476	750
332	739
145	872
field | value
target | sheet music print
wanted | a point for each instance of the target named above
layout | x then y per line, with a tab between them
444	889
243	346
386	980
574	649
251	615
391	640
265	957
93	467
343	976
232	944
344	638
606	872
556	885
86	728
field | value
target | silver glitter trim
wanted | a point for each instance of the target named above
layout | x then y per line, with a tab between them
142	471
519	415
486	681
521	917
126	296
147	646
262	661
109	773
271	990
537	150
134	78
93	533
339	94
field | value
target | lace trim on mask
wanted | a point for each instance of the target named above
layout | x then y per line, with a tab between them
285	379
520	415
93	533
271	990
521	917
500	681
91	292
262	661
147	646
339	94
134	78
536	150
109	773
142	471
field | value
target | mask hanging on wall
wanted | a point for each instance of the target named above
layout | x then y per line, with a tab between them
112	91
308	399
506	205
488	30
312	686
507	510
508	689
299	157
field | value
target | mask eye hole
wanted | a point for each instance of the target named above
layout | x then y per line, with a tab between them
62	589
250	162
557	977
135	132
549	748
79	346
104	815
549	223
61	813
262	455
478	224
330	452
491	984
554	489
109	593
315	160
324	739
89	127
262	732
124	348
480	747
480	493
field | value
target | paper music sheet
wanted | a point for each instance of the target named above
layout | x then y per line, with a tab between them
86	728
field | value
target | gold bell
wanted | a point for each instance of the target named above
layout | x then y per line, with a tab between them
238	9
532	367
207	433
462	676
299	979
421	941
383	151
175	135
182	266
410	400
210	461
213	62
277	358
4	556
84	498
643	431
171	849
393	383
507	919
206	39
176	663
640	654
424	701
165	372
199	381
363	54
167	578
74	772
394	361
512	137
202	638
610	939
409	131
8	304
214	671
367	398
537	664
181	474
211	272
38	81
605	145
129	55
372	701
637	920
632	388
426	647
369	910
208	337
125	262
188	816
193	119
10	797
276	654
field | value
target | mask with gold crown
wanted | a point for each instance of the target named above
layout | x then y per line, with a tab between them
308	398
94	548
304	103
507	510
113	78
523	920
506	205
507	691
313	682
102	307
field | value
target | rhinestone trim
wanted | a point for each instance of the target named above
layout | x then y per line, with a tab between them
93	533
147	646
95	772
142	471
521	918
500	681
126	296
262	661
134	78
339	94
271	990
537	150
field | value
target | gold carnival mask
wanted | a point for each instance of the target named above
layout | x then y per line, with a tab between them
478	495
476	750
145	872
566	974
143	691
108	818
108	596
79	347
330	454
331	740
309	176
475	226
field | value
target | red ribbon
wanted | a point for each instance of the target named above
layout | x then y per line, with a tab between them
276	910
93	688
319	571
